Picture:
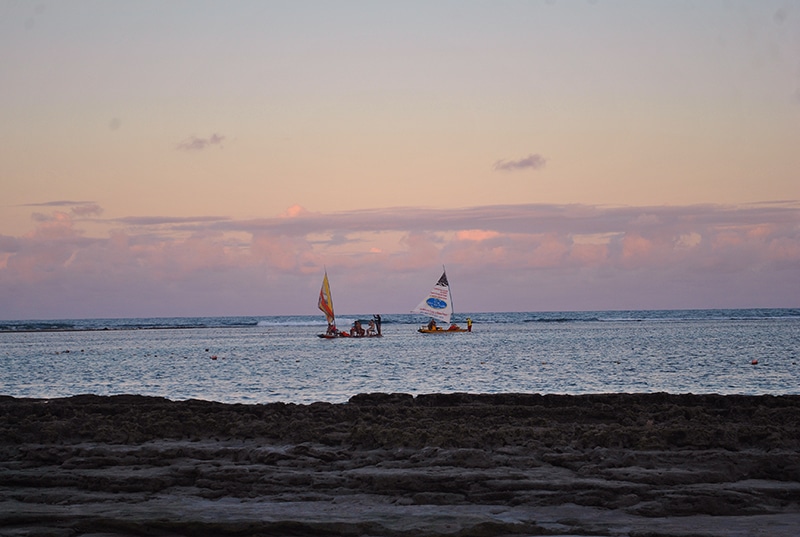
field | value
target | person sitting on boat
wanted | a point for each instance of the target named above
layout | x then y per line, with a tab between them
332	330
454	327
371	328
357	330
432	324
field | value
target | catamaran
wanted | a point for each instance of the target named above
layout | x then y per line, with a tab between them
438	305
325	304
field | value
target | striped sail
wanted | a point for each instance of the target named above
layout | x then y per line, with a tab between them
325	300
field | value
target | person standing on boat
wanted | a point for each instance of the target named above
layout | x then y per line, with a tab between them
377	319
469	324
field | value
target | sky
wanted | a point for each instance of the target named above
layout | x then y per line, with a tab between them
204	158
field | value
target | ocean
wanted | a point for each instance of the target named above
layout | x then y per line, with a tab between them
280	359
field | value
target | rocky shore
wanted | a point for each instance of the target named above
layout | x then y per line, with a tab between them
637	465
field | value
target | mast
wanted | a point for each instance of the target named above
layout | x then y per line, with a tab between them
449	289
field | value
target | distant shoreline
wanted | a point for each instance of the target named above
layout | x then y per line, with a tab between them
104	329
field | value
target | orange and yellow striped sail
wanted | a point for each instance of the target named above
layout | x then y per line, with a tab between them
325	300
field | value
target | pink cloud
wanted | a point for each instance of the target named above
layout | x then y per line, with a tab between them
783	249
588	255
57	225
284	254
420	250
516	256
635	248
296	211
476	235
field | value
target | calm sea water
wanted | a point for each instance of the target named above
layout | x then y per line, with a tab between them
269	359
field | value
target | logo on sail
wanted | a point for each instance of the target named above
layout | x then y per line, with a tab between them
436	303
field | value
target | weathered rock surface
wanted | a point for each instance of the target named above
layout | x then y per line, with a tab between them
643	465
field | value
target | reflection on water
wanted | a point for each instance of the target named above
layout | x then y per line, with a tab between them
270	361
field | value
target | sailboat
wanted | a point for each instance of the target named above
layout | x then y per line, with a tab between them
438	305
325	304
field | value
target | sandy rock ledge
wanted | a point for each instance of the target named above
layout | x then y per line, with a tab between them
637	465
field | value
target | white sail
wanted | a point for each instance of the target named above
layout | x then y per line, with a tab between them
437	304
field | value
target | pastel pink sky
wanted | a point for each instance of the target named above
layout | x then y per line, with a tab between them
193	158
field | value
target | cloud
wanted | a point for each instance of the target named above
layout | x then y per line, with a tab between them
8	244
532	162
87	209
193	143
477	235
78	208
528	256
59	203
168	220
295	211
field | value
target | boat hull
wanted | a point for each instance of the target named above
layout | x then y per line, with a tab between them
348	336
425	330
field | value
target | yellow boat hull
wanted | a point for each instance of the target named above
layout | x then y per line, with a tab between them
425	330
